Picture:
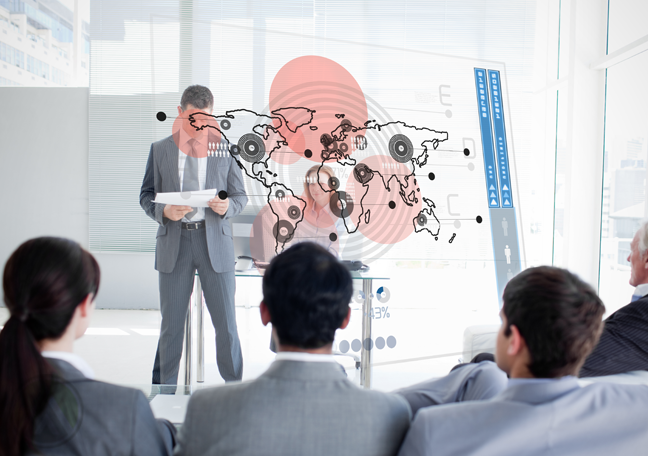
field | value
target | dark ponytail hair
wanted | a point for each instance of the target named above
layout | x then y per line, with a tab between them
44	281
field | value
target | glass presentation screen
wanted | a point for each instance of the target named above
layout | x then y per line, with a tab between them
375	153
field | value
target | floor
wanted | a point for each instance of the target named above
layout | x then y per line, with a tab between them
120	346
422	328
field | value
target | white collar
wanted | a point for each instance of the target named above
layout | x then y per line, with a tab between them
304	357
641	290
76	361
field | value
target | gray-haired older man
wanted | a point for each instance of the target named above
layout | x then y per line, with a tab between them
623	346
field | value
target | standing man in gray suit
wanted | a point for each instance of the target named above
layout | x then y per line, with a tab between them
303	404
551	320
190	239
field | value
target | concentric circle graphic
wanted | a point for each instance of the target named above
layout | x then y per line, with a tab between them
362	173
401	148
341	204
294	212
251	148
283	231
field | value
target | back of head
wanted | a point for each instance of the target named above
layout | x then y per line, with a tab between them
44	281
558	315
200	97
307	292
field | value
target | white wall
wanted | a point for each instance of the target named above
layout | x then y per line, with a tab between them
44	186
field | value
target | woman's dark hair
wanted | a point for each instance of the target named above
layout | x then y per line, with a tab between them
558	315
44	281
307	292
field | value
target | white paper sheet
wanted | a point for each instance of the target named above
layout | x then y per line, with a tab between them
170	406
197	198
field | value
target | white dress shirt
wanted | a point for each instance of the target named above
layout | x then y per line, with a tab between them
76	361
202	170
640	291
304	357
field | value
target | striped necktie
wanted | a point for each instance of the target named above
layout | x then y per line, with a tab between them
190	174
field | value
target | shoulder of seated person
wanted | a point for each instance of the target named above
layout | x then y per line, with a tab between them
222	390
380	397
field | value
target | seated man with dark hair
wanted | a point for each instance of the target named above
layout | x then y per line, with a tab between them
303	404
551	320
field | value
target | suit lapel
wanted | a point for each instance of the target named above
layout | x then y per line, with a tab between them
171	162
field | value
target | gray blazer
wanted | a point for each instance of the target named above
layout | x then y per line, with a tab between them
557	418
86	417
294	408
161	175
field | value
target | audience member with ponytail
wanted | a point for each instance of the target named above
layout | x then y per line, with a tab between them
49	403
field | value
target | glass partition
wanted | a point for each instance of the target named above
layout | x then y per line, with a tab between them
626	149
419	119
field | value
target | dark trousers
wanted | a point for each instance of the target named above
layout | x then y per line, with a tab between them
175	292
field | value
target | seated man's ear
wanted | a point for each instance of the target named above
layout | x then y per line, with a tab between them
265	313
516	341
345	322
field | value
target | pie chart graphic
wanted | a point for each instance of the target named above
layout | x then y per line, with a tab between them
382	294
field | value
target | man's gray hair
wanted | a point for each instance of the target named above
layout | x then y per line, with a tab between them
642	235
200	97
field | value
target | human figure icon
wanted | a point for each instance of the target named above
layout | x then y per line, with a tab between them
507	252
505	226
509	275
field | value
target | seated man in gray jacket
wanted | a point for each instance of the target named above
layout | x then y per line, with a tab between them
551	320
304	404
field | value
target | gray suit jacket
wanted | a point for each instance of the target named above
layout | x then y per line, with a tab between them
86	417
161	175
294	408
557	418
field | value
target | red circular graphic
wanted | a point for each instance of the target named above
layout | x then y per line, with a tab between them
321	85
386	225
199	126
265	229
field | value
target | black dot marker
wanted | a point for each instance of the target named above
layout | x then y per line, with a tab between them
479	219
333	237
308	153
222	194
466	152
392	205
431	176
161	116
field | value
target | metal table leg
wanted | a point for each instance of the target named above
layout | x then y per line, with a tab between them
187	347
200	335
367	344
